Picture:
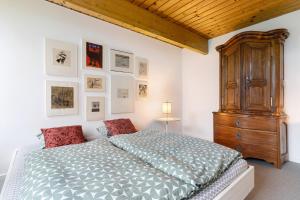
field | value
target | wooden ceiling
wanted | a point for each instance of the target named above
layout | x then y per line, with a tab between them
213	18
184	23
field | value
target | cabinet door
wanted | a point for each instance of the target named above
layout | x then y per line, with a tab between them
257	73
230	79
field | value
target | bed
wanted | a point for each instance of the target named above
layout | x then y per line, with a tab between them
234	184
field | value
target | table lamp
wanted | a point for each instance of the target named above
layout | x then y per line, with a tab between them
167	108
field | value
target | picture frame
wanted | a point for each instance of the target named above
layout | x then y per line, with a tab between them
60	58
142	89
141	68
94	83
122	94
121	61
61	98
93	55
95	108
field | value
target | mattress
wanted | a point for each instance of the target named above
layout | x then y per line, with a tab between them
12	185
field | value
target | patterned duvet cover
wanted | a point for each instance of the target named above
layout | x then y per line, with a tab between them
119	169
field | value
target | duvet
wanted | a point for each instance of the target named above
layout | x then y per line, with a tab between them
145	165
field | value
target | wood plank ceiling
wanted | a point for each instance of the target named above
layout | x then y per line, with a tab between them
213	18
184	23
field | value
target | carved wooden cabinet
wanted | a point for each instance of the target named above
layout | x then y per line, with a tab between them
251	116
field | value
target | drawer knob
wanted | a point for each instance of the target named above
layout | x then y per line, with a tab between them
238	135
237	123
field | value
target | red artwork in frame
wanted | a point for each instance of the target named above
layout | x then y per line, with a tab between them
94	55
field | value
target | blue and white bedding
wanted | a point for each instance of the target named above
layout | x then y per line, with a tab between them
100	170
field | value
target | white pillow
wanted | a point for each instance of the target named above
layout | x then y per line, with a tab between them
41	140
103	131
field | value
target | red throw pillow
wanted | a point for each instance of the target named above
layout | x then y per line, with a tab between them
119	126
60	136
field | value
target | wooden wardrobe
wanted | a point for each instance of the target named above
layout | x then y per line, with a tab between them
251	117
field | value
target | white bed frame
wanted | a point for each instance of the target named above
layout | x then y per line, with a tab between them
5	185
237	190
240	187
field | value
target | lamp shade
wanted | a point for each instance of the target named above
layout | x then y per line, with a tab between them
167	107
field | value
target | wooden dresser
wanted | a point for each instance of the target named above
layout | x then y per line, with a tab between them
251	116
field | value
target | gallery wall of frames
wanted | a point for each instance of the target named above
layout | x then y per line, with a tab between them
128	75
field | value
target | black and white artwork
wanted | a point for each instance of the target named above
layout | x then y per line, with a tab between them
61	98
121	61
60	58
122	94
95	108
142	89
141	68
94	83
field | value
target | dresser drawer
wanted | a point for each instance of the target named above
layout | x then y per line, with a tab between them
227	143
257	151
257	123
247	122
226	136
225	120
225	133
254	137
233	136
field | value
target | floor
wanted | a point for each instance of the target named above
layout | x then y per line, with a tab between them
275	184
270	183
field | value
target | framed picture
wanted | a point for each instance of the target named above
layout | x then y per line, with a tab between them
95	108
141	68
92	55
60	58
122	94
61	98
94	83
142	89
121	61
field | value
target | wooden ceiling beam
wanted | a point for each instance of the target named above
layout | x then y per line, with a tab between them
130	16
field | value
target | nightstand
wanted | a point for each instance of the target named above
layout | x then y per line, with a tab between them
167	120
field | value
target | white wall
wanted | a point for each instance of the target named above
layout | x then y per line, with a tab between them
23	26
200	76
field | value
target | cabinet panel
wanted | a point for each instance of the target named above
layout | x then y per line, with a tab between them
257	71
255	122
225	120
223	133
258	123
261	138
231	79
259	151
